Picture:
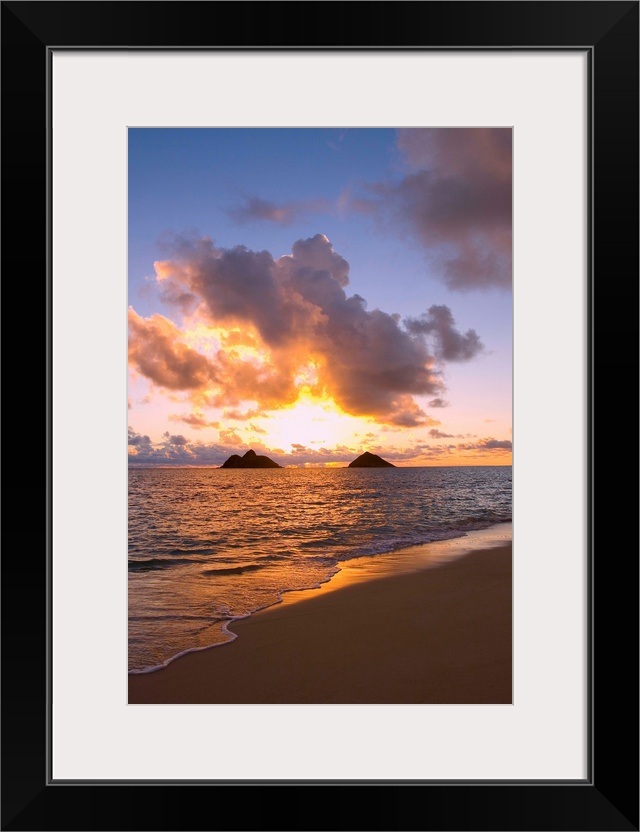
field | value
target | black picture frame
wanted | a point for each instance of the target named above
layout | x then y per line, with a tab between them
608	798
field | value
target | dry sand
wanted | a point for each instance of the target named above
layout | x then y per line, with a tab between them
438	636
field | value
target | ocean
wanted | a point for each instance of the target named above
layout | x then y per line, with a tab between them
210	545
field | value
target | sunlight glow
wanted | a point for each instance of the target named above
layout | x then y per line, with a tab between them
312	423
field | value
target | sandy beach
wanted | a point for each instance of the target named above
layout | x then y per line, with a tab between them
440	635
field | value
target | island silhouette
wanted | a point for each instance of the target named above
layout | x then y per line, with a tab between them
252	460
249	460
367	460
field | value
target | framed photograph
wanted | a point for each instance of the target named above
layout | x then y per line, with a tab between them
110	111
292	427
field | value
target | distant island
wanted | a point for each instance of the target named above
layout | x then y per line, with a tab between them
249	460
367	460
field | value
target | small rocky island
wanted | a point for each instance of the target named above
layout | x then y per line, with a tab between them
367	460
249	460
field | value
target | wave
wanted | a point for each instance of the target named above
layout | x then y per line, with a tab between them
225	627
236	570
139	671
404	541
154	564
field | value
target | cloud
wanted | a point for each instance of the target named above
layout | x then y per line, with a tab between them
175	440
317	254
491	444
177	450
436	434
301	330
138	443
156	352
180	451
194	420
230	437
438	402
455	200
415	453
256	209
460	199
488	445
240	416
169	452
450	344
144	452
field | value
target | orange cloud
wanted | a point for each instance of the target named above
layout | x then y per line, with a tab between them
194	420
306	336
156	351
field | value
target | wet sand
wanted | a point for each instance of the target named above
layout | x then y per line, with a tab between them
440	635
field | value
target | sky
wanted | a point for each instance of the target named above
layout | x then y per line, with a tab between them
313	294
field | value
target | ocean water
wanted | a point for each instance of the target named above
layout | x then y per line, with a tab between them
210	545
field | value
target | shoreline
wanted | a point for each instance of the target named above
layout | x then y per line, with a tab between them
360	568
430	624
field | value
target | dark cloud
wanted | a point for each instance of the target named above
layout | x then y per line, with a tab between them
456	200
171	294
437	434
487	445
490	444
295	314
175	440
317	255
138	441
438	403
451	345
460	199
167	452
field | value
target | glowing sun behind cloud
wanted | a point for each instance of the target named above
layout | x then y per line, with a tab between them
311	422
